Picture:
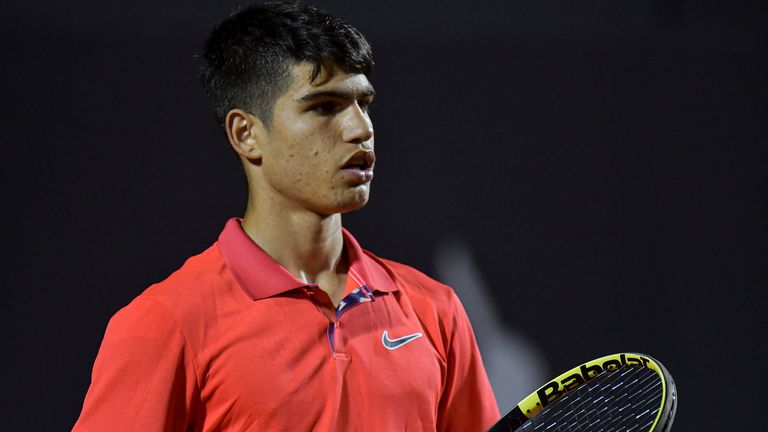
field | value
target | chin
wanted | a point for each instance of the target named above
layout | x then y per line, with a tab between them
355	200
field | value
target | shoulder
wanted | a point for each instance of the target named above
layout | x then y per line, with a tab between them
414	279
197	275
187	296
424	292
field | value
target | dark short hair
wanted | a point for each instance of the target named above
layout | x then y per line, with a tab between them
248	56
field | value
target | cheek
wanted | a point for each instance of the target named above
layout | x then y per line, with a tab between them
307	167
303	159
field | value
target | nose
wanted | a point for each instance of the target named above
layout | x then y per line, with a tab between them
357	127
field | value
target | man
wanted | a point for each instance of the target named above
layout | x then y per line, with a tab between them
285	323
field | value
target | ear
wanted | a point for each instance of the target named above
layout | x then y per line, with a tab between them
246	134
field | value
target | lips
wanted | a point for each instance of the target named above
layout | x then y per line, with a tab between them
359	167
361	160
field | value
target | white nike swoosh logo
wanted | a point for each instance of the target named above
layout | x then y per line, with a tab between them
393	344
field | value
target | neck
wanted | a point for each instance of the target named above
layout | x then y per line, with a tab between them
308	245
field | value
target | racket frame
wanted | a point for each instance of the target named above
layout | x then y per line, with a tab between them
574	378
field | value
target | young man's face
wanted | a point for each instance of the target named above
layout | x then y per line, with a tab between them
319	151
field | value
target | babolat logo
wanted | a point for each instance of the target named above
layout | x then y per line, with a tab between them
584	373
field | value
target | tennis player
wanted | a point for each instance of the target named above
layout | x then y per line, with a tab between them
286	323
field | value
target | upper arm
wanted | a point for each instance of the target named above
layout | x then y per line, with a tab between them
144	376
467	402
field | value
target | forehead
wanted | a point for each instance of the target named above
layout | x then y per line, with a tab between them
330	78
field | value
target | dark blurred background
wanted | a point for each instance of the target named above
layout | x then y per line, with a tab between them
604	162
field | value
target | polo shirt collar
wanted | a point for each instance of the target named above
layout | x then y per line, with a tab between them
261	276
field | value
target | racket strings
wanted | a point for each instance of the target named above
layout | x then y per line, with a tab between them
627	400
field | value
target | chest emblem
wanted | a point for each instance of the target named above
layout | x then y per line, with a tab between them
393	344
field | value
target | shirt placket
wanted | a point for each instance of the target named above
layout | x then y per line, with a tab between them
334	331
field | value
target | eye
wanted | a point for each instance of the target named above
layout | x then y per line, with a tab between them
365	105
327	107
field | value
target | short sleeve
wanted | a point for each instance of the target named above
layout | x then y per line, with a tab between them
144	376
467	403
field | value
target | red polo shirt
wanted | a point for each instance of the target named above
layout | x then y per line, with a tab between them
232	341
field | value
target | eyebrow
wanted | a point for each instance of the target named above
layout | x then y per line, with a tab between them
337	94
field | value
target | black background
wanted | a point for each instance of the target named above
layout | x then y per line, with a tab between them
605	160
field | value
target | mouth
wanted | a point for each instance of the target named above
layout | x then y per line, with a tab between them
360	165
362	160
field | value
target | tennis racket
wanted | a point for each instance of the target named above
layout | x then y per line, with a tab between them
620	392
